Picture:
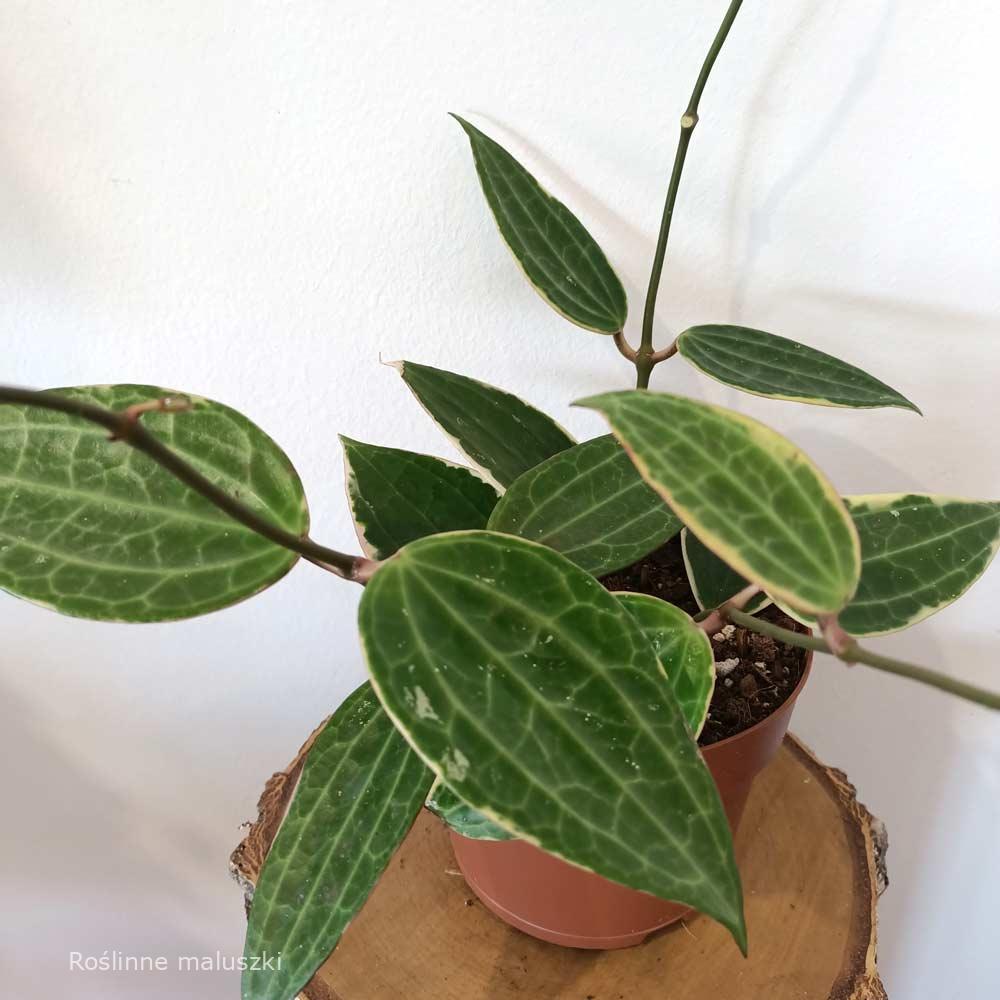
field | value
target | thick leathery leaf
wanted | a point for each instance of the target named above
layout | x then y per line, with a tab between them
684	652
559	257
96	529
767	365
919	553
748	493
398	496
500	433
360	790
712	581
589	503
461	817
532	692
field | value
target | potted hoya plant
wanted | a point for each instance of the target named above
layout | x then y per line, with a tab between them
579	654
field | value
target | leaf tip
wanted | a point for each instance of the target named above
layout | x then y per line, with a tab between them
740	936
466	125
597	402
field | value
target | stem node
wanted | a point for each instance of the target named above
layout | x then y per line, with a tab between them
129	417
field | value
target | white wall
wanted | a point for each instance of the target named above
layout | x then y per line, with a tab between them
253	200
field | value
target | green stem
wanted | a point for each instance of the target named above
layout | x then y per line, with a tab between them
646	358
126	427
857	654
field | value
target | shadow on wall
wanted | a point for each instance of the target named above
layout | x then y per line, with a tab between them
918	766
957	374
864	67
71	862
949	435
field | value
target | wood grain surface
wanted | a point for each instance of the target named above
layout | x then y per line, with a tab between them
812	860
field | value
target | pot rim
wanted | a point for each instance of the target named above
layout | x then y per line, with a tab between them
790	700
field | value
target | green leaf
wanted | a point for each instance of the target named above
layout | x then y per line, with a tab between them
683	650
767	365
559	257
500	433
712	581
748	493
590	504
399	496
461	817
919	553
536	696
361	788
93	528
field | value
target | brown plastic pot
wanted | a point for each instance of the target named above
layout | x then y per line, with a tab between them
557	902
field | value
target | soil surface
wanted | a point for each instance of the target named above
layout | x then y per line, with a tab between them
755	673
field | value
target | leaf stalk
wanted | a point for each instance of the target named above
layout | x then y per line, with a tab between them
711	621
855	653
125	426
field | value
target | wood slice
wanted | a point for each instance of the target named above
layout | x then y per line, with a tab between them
812	860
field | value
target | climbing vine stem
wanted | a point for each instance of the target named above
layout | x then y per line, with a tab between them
645	358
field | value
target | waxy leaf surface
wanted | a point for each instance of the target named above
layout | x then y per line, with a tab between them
919	553
532	692
589	503
503	435
399	496
683	650
712	581
94	528
560	258
768	365
361	788
461	817
748	493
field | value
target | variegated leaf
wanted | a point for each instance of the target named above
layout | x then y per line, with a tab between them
461	817
533	693
767	365
503	435
748	493
361	788
94	528
559	257
590	503
919	553
398	496
683	650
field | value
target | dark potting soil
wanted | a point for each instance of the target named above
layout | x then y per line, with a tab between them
767	671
